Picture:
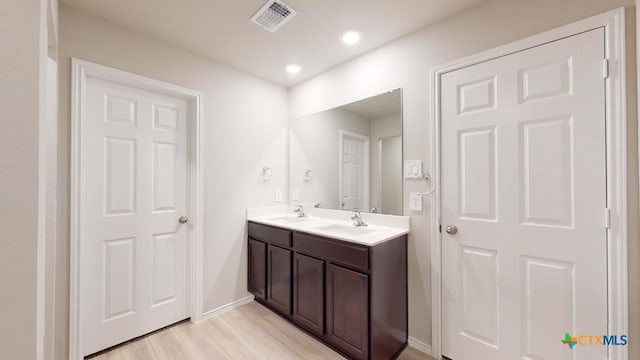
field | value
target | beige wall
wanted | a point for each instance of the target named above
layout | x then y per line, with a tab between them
405	64
23	41
245	128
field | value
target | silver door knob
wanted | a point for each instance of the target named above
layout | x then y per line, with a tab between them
183	219
452	230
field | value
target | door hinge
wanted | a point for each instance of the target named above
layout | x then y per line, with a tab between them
605	68
607	218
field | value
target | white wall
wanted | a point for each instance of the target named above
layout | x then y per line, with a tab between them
245	128
315	145
23	41
405	64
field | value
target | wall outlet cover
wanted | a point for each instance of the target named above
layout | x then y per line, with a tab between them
412	169
278	195
415	201
295	196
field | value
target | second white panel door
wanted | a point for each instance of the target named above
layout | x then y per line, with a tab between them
354	172
524	182
134	181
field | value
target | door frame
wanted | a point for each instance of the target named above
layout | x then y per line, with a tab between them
613	23
366	191
81	70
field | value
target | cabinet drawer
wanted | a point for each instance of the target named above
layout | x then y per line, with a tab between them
270	234
347	254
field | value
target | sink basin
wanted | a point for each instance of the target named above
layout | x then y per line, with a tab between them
346	229
289	219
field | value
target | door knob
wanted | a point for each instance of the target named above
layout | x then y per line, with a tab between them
183	219
452	230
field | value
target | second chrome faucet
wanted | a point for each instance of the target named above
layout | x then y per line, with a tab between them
300	210
357	219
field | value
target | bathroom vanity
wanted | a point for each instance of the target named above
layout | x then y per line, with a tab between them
345	285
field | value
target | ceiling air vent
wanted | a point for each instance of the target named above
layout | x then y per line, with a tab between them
273	15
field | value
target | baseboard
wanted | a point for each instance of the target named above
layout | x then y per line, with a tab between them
419	345
224	308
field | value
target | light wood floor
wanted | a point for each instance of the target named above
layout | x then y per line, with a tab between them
248	332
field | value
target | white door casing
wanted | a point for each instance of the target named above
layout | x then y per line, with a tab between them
354	177
136	170
616	166
524	180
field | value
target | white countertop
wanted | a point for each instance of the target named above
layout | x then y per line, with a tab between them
334	224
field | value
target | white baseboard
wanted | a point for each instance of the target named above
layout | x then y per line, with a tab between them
419	345
224	308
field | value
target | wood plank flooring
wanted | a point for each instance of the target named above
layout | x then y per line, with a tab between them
249	332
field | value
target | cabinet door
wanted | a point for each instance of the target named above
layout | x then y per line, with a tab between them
257	280
308	293
279	279
348	311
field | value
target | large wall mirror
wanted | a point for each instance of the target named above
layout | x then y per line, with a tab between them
350	157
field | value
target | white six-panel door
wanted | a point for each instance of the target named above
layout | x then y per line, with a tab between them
354	175
133	249
524	182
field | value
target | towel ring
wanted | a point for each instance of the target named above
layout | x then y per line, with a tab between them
427	178
266	174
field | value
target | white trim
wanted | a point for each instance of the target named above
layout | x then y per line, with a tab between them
80	71
419	345
366	171
224	308
616	124
378	175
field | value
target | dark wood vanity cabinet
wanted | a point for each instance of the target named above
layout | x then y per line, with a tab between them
257	281
279	278
269	273
308	293
352	297
348	311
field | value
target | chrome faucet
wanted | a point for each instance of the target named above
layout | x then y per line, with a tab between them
357	219
300	210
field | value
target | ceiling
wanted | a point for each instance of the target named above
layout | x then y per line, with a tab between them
379	106
221	30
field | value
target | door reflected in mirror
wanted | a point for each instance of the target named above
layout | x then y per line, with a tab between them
350	157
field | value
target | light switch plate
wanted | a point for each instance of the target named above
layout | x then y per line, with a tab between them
412	169
295	196
415	202
278	195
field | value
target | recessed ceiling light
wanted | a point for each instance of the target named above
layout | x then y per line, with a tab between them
293	68
351	37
